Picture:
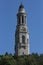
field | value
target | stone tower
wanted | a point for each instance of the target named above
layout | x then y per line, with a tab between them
22	45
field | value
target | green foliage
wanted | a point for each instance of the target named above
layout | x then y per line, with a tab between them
32	59
21	61
41	59
8	60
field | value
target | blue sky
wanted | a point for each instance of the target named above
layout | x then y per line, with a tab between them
8	21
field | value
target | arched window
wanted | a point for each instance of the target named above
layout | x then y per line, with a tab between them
22	19
23	39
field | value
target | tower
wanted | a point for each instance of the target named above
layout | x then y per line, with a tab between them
22	45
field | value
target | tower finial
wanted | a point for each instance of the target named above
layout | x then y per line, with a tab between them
21	2
21	5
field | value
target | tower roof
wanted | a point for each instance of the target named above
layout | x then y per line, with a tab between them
21	6
21	9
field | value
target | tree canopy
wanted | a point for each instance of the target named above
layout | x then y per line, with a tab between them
32	59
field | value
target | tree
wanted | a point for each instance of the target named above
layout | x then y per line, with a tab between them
8	60
41	59
32	59
21	61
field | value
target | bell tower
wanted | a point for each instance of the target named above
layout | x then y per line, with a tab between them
22	45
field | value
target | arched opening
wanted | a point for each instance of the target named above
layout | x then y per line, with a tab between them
23	39
22	19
